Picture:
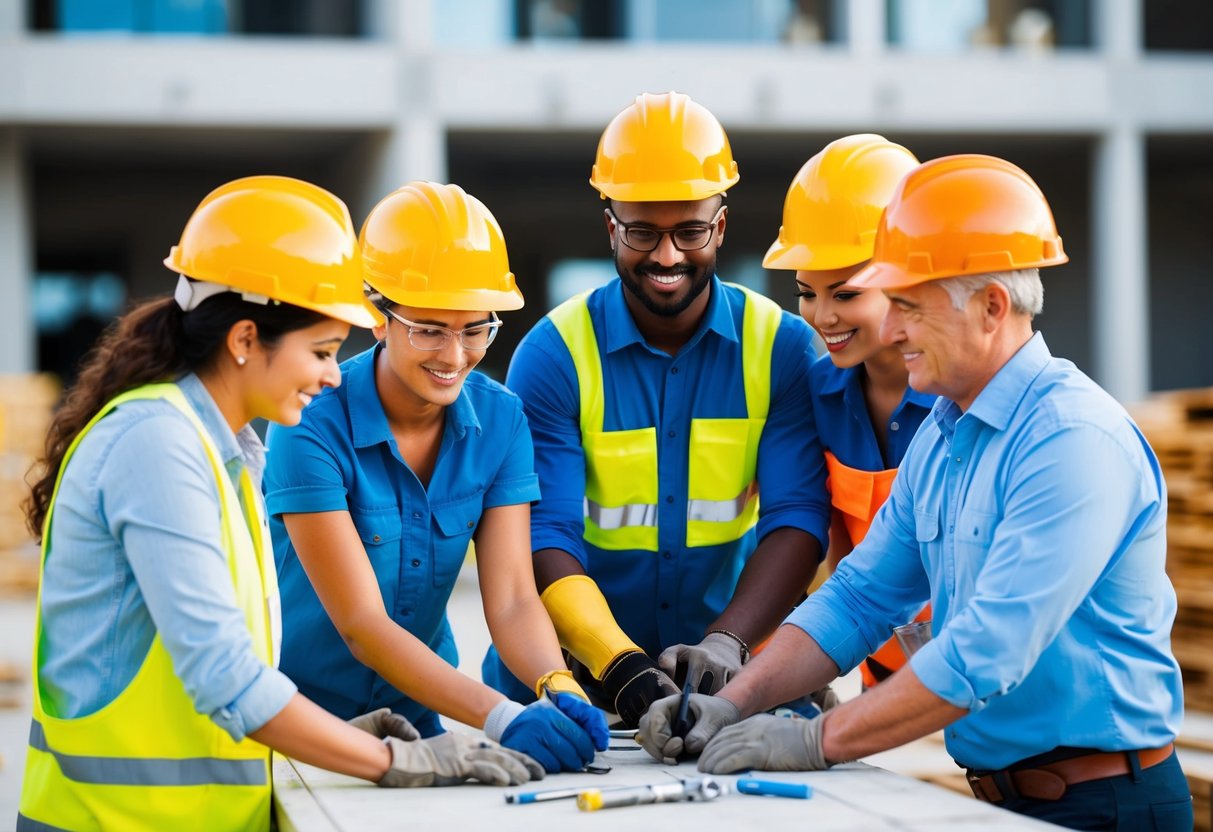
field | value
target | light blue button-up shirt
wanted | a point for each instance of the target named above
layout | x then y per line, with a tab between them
1035	523
137	550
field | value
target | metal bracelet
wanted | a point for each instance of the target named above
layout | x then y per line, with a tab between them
745	648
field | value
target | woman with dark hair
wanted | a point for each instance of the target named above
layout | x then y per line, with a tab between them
156	695
376	495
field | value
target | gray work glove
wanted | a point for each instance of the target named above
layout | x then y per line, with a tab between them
766	743
383	723
719	655
450	759
709	713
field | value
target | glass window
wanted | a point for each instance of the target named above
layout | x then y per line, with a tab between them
1178	25
952	26
201	17
569	277
71	310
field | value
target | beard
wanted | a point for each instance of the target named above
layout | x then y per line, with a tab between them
634	280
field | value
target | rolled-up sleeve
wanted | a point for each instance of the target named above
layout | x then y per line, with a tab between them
160	504
515	481
542	375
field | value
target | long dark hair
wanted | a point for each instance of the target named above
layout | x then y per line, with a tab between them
155	341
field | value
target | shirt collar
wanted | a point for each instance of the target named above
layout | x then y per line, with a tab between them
621	331
836	381
245	449
368	422
1000	397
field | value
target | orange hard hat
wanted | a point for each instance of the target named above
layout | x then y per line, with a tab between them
834	204
438	247
961	215
663	148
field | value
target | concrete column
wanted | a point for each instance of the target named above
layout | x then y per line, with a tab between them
865	24
12	19
1120	268
1118	29
17	335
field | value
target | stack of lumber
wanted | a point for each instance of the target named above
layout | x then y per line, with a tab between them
1179	426
26	404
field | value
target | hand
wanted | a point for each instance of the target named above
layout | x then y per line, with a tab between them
633	682
766	743
592	720
450	759
383	723
712	713
708	665
542	731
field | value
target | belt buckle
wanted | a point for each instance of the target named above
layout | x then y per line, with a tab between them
982	785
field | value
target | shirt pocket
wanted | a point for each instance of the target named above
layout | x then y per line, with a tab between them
972	538
380	530
926	534
456	522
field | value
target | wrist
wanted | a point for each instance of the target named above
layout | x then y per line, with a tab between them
500	717
721	634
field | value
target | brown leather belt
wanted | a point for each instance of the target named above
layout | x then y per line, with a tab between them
1049	781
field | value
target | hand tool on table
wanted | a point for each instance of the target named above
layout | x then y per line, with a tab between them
774	788
684	721
693	788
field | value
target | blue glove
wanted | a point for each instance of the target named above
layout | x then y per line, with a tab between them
542	732
592	719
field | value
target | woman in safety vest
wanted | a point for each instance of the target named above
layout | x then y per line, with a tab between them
156	696
865	410
375	497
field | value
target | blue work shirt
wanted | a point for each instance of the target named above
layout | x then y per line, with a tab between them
1036	524
137	550
672	595
844	425
343	457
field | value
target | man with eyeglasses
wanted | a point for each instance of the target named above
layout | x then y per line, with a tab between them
660	405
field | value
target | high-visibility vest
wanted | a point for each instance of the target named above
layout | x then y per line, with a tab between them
148	760
621	488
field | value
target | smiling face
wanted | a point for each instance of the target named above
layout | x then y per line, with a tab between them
280	381
946	350
666	280
426	377
847	318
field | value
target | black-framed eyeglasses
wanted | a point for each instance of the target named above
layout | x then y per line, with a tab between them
432	337
688	237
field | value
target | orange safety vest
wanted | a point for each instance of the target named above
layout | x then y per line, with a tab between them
857	496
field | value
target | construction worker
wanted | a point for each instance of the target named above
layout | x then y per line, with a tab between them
661	405
866	412
376	494
1032	513
156	699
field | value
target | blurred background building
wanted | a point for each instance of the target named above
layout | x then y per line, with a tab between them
116	116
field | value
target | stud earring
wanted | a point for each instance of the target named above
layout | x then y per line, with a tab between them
240	359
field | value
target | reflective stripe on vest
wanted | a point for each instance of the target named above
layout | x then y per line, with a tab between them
147	759
621	466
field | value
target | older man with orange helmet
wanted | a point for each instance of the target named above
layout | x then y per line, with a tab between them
1029	510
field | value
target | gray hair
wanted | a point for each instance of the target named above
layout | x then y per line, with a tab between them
1023	285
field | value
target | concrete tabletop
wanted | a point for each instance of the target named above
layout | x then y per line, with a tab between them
850	797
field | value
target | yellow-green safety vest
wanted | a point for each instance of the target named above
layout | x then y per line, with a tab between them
148	760
621	482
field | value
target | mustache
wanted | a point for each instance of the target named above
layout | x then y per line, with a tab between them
683	268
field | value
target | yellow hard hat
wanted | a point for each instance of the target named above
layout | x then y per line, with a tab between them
274	238
962	215
834	204
437	247
663	148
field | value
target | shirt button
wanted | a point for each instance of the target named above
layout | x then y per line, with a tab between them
416	562
375	539
673	371
958	459
416	515
894	426
471	523
665	605
672	434
670	499
666	555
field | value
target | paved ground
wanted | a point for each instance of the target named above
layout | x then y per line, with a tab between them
467	618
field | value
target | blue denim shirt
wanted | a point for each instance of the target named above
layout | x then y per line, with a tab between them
1035	522
137	550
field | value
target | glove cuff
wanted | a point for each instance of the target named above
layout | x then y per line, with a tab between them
745	648
503	713
559	681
